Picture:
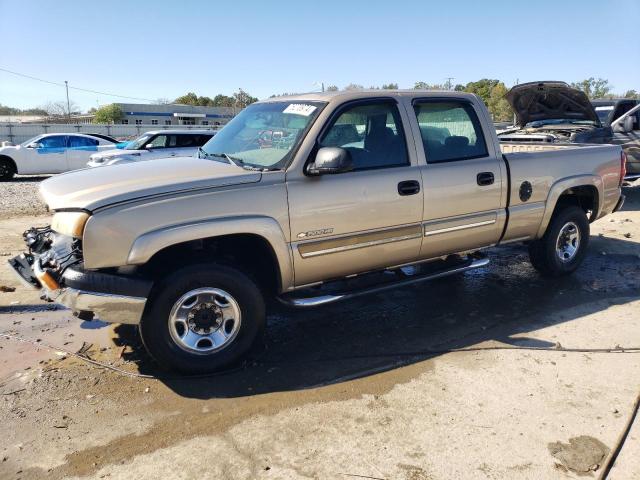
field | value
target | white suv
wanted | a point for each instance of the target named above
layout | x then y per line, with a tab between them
152	145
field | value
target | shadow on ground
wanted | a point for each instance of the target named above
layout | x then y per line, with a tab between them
381	332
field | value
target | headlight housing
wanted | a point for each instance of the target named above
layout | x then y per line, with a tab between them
69	223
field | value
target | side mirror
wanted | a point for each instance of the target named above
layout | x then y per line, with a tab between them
149	146
34	145
331	160
625	126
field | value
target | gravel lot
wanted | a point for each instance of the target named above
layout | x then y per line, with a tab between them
20	197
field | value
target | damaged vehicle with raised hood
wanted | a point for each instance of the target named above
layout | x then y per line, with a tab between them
354	193
553	112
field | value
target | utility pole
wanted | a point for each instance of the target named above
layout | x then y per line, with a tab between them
514	113
323	86
66	85
448	82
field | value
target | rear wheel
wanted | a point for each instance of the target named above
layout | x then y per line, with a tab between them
562	248
202	318
7	169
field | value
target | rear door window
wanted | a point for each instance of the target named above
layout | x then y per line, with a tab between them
450	131
77	142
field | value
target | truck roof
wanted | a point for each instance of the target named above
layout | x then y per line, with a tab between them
346	95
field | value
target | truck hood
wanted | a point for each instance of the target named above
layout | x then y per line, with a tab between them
537	101
94	188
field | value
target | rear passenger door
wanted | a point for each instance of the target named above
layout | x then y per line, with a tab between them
80	148
463	180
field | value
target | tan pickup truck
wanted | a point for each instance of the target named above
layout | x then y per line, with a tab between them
307	199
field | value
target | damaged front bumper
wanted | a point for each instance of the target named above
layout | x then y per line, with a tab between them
110	296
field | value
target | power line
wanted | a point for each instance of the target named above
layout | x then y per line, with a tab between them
73	88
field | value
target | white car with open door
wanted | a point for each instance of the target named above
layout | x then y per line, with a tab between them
50	153
153	145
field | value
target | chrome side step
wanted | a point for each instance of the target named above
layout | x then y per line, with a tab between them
308	302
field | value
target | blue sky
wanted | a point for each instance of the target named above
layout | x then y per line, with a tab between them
162	49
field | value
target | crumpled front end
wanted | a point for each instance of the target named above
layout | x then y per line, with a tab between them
54	263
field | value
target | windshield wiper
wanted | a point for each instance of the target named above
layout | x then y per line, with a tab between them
238	162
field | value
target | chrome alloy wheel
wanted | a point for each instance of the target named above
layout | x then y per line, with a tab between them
204	320
568	242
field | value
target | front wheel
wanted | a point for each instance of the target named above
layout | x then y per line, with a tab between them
202	318
562	248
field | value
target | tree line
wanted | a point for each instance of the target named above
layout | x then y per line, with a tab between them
491	91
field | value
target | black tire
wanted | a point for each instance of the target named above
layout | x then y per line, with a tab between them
7	169
543	252
156	333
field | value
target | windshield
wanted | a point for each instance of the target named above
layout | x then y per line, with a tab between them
603	112
263	135
138	143
559	121
31	140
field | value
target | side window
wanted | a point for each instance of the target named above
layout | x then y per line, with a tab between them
76	142
371	133
450	131
159	141
185	141
56	141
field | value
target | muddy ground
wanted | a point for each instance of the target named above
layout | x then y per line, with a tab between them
368	389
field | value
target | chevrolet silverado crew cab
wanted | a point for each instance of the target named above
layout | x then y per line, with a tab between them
309	200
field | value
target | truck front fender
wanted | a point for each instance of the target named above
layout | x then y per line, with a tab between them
560	187
148	244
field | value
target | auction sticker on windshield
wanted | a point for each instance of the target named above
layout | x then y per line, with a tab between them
300	109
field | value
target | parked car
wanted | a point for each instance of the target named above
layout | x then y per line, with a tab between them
153	145
366	184
50	153
553	112
623	116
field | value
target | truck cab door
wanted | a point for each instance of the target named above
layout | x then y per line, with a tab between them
47	155
464	195
364	219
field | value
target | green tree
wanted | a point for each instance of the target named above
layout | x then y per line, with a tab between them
492	92
390	86
631	94
428	86
242	99
353	86
107	114
223	101
332	88
594	88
